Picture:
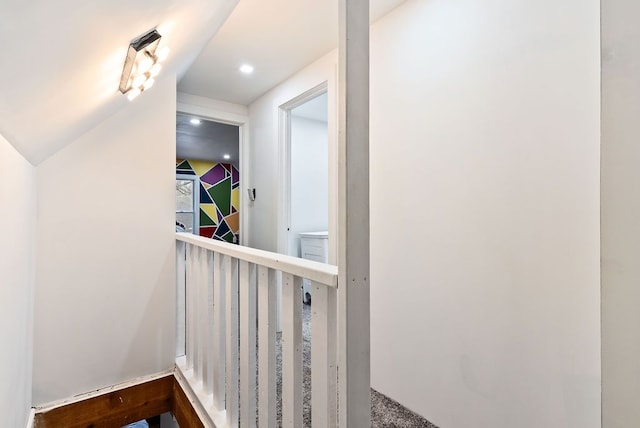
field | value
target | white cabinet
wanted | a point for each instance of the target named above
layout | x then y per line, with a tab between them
313	246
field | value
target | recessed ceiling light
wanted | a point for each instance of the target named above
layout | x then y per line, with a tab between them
195	121
227	157
246	69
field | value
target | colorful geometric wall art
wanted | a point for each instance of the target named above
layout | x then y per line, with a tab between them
219	197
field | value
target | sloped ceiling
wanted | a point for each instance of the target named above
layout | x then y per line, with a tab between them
277	37
62	61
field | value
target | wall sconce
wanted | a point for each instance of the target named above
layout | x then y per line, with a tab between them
142	65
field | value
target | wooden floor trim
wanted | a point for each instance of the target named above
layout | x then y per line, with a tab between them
116	407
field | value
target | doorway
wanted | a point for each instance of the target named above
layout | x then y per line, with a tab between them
308	186
208	164
304	220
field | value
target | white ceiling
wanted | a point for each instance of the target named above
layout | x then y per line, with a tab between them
62	61
277	37
207	140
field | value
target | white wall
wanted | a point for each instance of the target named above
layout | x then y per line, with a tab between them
620	213
266	166
485	211
104	303
17	259
309	179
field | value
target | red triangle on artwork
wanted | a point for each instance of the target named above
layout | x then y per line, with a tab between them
207	231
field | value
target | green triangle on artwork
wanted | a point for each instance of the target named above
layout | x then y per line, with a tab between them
184	165
228	237
205	220
221	195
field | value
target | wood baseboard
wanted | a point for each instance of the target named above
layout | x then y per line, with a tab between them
117	407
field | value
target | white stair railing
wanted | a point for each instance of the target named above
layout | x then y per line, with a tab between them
226	334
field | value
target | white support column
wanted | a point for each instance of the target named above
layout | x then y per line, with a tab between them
353	216
181	254
323	356
267	306
291	351
248	336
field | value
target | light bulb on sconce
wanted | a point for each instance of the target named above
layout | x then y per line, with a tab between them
138	81
155	70
149	83
145	63
162	54
133	93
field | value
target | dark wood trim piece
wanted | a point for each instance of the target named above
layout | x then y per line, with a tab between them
183	411
124	406
115	408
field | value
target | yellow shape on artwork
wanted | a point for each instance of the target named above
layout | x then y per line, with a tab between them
235	199
210	209
201	167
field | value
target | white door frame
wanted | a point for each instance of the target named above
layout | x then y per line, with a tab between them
284	156
217	113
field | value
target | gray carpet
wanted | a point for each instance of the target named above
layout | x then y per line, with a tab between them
385	413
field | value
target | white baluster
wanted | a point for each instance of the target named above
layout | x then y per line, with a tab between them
291	351
208	324
219	332
191	349
248	335
267	308
198	313
231	306
230	303
323	356
180	298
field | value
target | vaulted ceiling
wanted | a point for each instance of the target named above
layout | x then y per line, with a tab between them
62	61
